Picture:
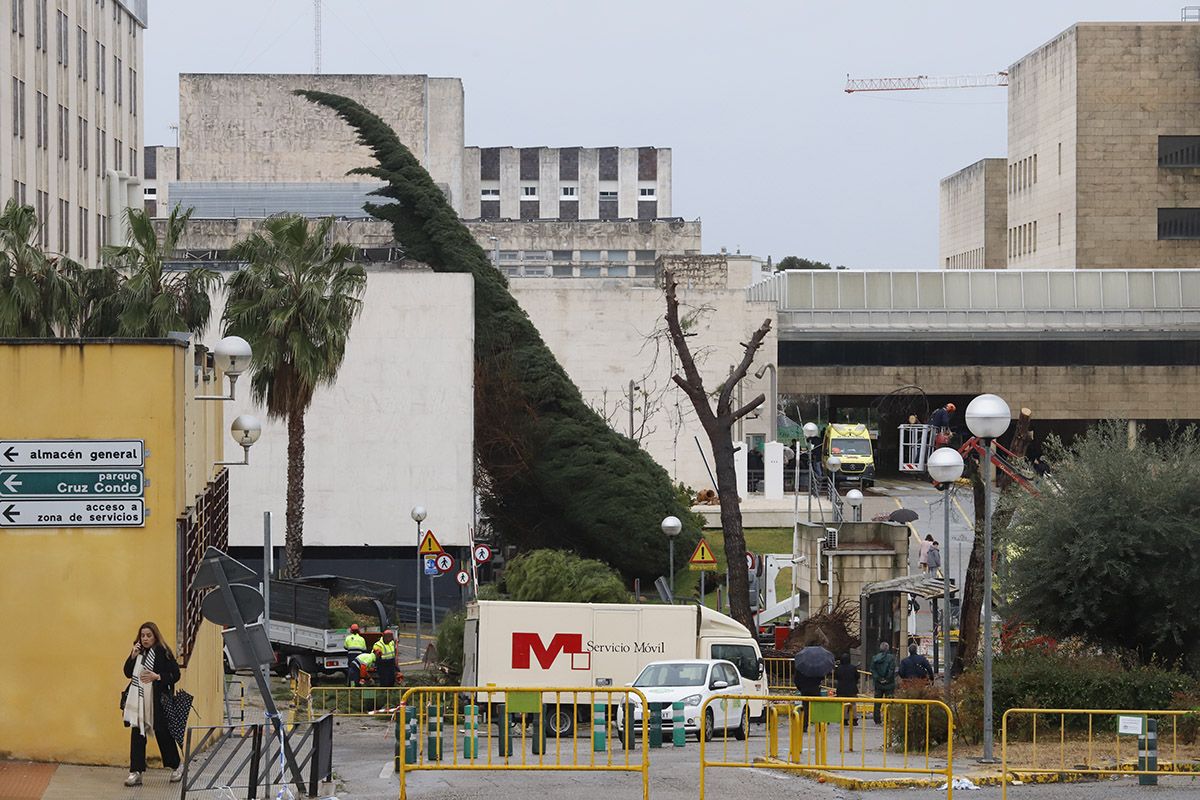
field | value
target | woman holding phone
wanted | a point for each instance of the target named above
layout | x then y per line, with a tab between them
152	670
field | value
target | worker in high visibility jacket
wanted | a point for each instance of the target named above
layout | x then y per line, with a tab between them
365	663
355	646
385	659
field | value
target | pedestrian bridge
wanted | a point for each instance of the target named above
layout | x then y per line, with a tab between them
1069	344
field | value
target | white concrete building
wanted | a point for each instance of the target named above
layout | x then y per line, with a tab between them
71	81
395	431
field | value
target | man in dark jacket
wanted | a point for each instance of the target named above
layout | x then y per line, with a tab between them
915	666
883	675
845	677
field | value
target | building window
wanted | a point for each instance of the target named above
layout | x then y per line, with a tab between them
1179	223
18	17
83	237
101	69
43	214
18	109
83	143
489	194
1060	229
529	193
608	196
63	40
1179	151
133	90
119	154
64	227
41	112
19	192
569	193
64	133
117	78
1060	158
647	194
101	152
644	255
81	68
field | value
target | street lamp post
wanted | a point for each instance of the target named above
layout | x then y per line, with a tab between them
774	421
810	433
855	498
833	464
671	526
988	416
418	514
945	466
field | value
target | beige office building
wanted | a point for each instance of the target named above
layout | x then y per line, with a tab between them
70	126
1103	166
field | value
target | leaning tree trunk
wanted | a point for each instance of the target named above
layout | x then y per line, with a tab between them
733	534
294	541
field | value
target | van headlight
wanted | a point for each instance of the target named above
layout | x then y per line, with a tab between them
692	700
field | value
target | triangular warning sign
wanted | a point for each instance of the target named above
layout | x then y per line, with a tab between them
429	545
703	555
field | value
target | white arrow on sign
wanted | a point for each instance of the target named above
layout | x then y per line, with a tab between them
463	577
482	553
11	483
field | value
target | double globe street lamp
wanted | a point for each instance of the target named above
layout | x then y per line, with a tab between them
988	417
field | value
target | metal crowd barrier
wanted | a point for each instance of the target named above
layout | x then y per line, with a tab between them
901	744
780	675
1095	742
343	701
478	728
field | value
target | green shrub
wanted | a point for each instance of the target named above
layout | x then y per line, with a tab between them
556	576
450	641
919	719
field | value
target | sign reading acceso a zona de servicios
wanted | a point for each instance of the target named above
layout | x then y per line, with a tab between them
72	483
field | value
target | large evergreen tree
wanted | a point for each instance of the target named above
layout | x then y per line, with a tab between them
554	474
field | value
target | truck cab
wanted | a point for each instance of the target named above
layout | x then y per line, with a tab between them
852	444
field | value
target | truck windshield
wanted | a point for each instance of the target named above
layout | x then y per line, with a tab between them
672	675
850	447
743	657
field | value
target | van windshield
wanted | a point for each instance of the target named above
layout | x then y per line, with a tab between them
672	675
850	447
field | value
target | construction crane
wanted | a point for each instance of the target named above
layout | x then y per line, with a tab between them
925	82
316	37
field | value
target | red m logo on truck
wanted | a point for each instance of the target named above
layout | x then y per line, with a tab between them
525	645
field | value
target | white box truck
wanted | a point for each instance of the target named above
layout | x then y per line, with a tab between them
514	644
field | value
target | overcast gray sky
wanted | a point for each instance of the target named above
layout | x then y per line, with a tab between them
769	151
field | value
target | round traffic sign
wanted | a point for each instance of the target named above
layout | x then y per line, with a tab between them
463	577
750	561
482	553
445	563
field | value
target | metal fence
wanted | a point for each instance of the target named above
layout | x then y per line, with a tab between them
522	729
248	757
822	734
1060	741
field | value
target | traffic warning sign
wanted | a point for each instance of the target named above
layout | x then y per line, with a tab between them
702	558
429	545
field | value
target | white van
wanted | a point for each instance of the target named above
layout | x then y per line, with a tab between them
513	644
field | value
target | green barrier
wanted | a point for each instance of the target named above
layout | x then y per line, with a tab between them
678	733
599	727
433	733
655	720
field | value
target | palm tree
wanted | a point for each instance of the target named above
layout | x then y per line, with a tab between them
152	300
38	291
294	302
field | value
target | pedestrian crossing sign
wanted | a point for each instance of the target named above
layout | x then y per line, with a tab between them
702	558
429	545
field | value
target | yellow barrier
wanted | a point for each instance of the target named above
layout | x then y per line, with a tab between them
1095	736
780	675
471	728
902	742
355	701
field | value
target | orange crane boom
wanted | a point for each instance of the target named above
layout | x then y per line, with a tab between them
925	82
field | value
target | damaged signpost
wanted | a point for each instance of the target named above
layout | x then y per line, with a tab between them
230	606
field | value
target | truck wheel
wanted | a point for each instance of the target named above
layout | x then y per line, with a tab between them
559	721
297	663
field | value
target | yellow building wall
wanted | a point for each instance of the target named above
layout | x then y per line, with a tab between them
72	599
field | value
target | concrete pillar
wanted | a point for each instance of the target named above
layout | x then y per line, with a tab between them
773	466
1131	433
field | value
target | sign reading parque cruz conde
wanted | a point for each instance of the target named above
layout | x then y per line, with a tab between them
72	483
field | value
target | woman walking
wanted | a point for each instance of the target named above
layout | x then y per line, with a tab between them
152	671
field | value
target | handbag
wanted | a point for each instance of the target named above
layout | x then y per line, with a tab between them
124	697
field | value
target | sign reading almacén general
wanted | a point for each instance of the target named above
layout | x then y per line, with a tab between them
41	485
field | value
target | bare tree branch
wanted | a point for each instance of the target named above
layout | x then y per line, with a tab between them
739	372
746	409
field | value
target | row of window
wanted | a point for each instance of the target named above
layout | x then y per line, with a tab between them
62	32
42	209
1022	174
1023	239
41	112
584	255
566	193
971	259
579	271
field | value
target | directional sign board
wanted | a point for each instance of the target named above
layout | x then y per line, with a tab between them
54	453
71	483
702	559
114	513
445	563
429	545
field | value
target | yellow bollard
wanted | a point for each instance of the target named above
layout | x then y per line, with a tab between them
772	721
796	735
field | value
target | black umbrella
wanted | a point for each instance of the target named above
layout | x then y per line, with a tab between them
814	661
904	515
